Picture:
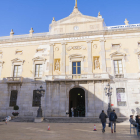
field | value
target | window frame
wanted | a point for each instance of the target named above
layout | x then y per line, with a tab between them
17	71
38	71
13	100
118	66
125	97
33	101
76	67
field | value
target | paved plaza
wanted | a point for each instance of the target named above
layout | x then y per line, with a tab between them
62	131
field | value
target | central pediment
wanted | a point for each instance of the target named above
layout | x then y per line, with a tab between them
76	22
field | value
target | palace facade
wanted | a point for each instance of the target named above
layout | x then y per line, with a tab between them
73	62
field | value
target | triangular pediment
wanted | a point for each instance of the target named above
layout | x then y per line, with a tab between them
115	54
17	60
39	59
76	22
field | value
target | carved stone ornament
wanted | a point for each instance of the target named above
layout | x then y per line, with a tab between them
96	63
39	59
76	48
95	46
75	11
69	48
1	54
20	52
17	60
57	49
57	65
136	102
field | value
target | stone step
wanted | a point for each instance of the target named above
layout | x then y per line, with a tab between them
79	120
65	119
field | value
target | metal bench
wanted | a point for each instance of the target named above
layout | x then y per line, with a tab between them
134	128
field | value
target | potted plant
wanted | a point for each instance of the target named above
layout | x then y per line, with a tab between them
16	107
67	113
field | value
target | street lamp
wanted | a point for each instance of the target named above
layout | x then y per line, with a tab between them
108	92
40	93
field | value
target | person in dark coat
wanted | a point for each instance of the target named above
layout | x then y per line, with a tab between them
112	119
103	117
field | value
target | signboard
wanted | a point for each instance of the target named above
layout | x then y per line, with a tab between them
121	97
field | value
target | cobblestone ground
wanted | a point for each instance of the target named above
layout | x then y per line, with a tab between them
62	131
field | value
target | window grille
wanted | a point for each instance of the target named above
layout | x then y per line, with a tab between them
36	99
13	98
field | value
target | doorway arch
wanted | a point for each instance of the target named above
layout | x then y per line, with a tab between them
77	102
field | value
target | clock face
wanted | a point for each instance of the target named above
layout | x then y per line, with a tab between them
76	28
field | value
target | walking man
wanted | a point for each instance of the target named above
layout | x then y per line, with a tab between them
112	119
103	117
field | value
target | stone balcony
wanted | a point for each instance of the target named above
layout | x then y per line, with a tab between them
14	80
78	77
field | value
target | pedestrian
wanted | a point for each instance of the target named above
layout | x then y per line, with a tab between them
112	119
132	121
103	117
72	112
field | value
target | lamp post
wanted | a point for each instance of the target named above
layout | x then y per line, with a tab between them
108	92
41	93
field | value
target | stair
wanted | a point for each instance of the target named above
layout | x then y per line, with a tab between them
65	119
78	120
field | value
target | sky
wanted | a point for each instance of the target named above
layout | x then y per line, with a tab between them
21	15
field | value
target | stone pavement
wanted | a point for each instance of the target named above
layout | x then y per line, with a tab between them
62	131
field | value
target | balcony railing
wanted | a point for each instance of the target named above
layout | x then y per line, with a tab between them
119	75
14	79
72	77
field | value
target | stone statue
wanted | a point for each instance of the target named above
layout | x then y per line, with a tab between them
97	63
99	14
57	65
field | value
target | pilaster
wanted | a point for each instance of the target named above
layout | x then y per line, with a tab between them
103	58
63	59
51	59
89	56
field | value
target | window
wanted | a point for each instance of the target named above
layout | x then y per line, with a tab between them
121	97
115	45
17	71
118	68
38	70
13	98
76	67
36	99
139	44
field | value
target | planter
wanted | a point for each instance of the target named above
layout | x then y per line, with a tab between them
15	113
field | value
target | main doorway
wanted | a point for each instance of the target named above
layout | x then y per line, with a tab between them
77	102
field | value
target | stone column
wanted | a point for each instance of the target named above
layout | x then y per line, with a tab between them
63	59
51	59
103	57
89	56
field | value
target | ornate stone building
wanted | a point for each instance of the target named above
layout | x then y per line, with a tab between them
73	62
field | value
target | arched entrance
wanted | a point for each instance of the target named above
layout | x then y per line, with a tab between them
77	101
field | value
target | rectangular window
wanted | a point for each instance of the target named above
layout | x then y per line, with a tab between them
17	71
121	97
76	67
115	45
36	99
118	67
13	98
38	70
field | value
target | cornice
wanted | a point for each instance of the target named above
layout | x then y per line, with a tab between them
47	38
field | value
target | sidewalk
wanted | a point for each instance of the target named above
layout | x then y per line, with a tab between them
62	131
